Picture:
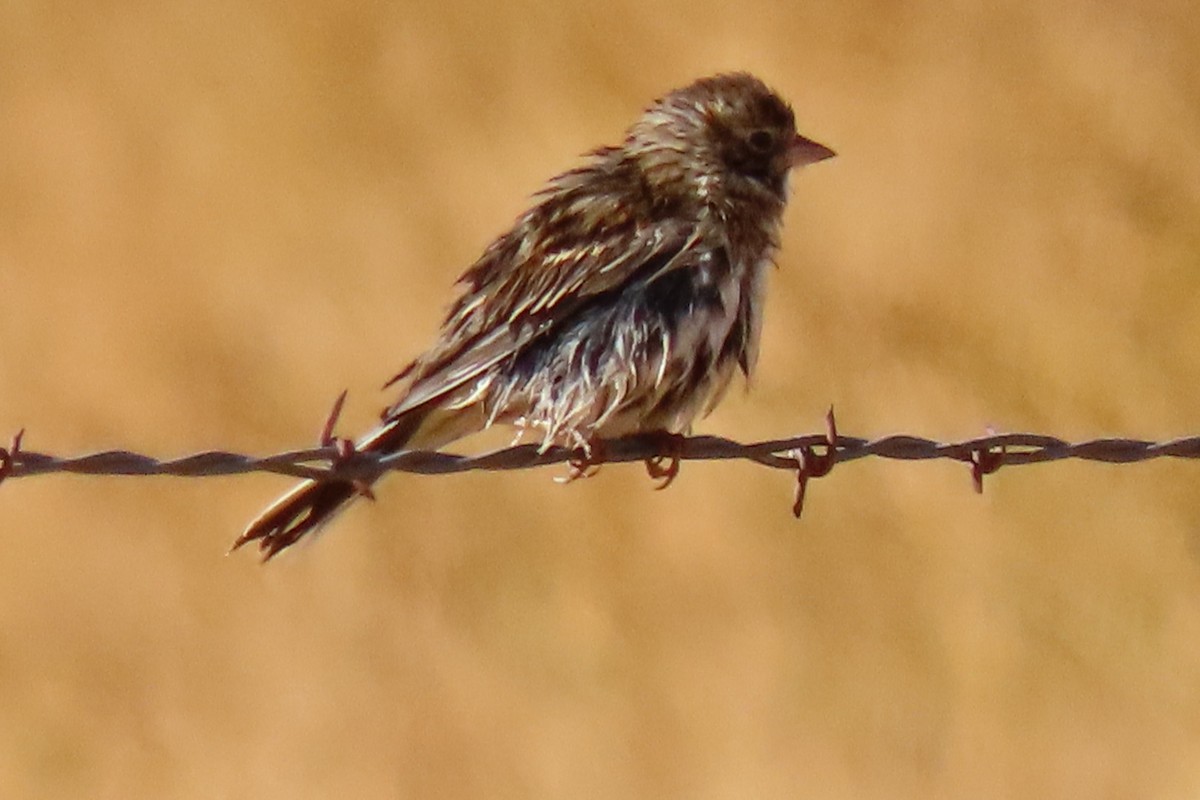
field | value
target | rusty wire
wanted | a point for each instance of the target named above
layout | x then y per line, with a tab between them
809	456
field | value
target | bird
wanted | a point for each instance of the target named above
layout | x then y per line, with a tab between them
621	302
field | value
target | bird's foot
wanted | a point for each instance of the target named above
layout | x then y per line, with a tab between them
589	455
665	467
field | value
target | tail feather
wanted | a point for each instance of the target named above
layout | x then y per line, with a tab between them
298	513
311	505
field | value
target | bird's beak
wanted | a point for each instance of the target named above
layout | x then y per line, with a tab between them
803	152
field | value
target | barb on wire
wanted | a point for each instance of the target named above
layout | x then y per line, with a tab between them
811	464
984	461
343	448
810	456
8	457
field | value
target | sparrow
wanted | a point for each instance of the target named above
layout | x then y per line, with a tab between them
622	302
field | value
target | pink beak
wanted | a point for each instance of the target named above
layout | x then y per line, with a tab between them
803	152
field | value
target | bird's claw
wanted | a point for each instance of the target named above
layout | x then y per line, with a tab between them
665	468
586	463
656	470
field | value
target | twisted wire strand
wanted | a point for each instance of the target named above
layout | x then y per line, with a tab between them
987	453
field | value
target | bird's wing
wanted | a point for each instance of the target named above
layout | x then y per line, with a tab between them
559	257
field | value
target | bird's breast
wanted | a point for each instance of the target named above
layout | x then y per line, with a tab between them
715	328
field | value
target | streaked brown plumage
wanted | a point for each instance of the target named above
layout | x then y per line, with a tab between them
621	302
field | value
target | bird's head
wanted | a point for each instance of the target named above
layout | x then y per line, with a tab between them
725	139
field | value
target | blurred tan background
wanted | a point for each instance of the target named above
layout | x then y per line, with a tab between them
215	216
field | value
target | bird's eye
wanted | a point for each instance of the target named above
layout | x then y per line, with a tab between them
761	140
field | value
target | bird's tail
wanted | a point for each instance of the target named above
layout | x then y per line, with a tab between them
298	513
313	504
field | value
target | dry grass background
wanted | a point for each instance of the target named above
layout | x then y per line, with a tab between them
215	216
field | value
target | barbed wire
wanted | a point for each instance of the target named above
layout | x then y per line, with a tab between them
809	456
